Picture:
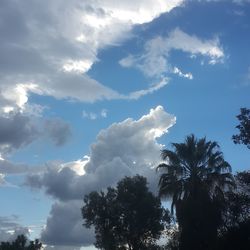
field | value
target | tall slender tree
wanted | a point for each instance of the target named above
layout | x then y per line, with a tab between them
194	176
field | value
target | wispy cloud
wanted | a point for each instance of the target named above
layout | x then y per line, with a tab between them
157	52
94	115
181	74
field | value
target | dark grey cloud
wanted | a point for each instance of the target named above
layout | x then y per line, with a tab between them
66	185
10	229
16	130
64	226
8	167
57	130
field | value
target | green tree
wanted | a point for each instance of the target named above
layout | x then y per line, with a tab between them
21	243
244	128
125	217
194	175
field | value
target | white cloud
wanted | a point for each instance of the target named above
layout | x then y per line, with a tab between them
154	87
181	74
72	34
157	50
93	116
124	149
104	113
80	66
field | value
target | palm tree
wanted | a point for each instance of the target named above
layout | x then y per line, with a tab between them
194	175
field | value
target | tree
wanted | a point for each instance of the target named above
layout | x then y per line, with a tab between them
125	217
21	243
244	128
235	231
194	175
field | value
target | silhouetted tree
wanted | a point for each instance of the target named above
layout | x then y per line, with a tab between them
235	231
244	128
125	217
21	243
194	175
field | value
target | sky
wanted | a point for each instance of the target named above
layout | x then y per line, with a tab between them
91	91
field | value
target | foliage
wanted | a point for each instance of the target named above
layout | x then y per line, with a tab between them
21	243
194	176
244	128
125	217
235	231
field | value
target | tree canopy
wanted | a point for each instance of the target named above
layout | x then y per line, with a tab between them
244	128
194	175
21	243
128	216
235	230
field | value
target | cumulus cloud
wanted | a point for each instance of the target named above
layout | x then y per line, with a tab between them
55	60
16	130
157	52
126	148
68	231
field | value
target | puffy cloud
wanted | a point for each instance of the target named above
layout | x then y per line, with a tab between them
8	168
64	226
16	130
48	61
156	52
124	149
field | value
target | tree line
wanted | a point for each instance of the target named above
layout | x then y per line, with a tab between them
209	207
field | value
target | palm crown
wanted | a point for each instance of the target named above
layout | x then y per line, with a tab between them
193	165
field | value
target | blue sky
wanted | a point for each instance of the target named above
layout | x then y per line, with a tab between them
91	92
